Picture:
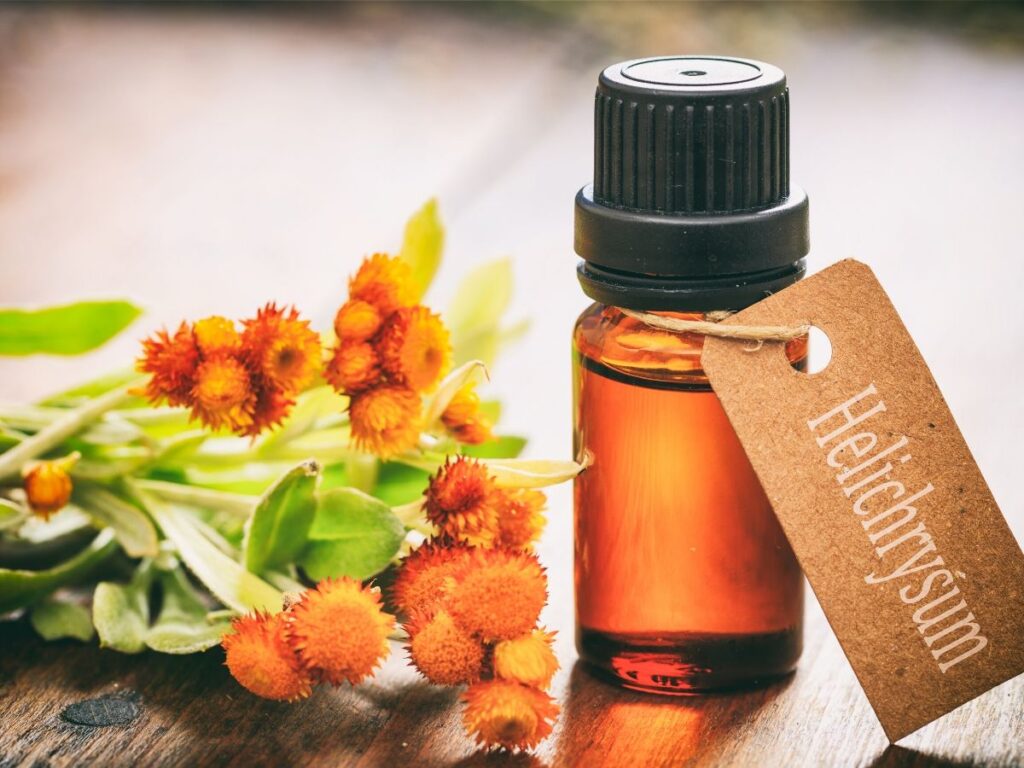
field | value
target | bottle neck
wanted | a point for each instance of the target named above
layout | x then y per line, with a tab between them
667	294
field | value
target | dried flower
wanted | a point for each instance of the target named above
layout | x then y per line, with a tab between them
222	395
461	501
426	576
527	659
520	517
464	419
384	281
48	485
444	652
508	715
357	320
339	630
282	347
261	659
353	368
385	420
217	335
270	409
171	361
501	595
414	348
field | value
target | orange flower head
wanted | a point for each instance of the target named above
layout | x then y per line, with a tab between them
444	652
357	320
171	361
270	408
464	418
386	420
48	485
222	393
353	367
282	347
414	348
527	659
339	630
508	715
461	501
260	658
426	576
501	594
217	335
384	281
520	517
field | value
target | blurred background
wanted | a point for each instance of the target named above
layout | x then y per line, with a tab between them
207	158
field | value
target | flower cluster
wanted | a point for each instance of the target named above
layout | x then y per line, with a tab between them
333	633
472	598
244	381
390	352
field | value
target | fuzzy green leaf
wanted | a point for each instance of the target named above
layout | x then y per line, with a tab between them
120	612
70	329
229	582
19	588
400	483
133	528
504	447
182	626
276	531
422	245
55	619
353	534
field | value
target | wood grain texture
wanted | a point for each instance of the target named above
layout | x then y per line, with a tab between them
197	160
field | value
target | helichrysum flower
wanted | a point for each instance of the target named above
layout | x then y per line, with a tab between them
464	418
222	393
527	659
171	362
386	420
357	320
282	347
501	594
414	348
461	501
384	281
48	485
509	715
426	577
217	335
261	659
444	652
354	367
339	630
520	517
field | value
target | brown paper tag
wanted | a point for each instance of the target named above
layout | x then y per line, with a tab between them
896	529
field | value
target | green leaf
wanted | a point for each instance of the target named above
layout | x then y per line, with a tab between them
276	531
504	447
55	619
70	329
353	534
19	588
182	626
133	528
229	582
422	245
400	483
11	514
92	388
480	300
120	612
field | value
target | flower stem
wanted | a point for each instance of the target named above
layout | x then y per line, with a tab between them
59	430
195	496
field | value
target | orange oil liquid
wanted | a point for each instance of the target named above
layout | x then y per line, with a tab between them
684	580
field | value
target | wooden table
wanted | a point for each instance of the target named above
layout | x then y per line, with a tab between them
164	154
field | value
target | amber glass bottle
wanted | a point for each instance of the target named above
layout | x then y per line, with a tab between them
684	580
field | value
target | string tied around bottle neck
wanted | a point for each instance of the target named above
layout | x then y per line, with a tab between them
712	326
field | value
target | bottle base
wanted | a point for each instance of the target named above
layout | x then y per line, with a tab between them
690	663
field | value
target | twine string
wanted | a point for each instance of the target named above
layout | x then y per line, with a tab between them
713	327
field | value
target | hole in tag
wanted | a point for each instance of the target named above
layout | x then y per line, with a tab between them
819	352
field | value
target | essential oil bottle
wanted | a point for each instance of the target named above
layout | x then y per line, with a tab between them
684	580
